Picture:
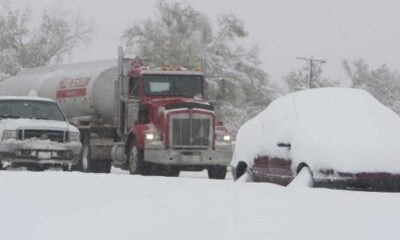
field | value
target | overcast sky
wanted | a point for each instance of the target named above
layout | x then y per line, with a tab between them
332	30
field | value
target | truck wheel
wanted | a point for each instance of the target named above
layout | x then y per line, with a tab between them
135	160
217	172
83	164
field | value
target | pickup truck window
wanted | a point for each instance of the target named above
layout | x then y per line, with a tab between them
30	109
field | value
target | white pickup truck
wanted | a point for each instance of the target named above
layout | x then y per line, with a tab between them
34	133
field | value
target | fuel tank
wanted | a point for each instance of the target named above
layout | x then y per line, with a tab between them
81	89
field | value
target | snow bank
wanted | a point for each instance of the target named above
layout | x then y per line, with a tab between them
330	128
58	205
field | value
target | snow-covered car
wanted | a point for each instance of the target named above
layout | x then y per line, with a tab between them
337	137
35	134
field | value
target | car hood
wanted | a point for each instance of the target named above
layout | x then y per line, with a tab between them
14	124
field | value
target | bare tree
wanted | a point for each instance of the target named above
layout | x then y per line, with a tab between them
382	82
182	35
298	79
22	45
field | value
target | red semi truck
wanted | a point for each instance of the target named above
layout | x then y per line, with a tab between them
148	121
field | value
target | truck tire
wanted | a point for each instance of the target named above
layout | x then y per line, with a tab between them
136	164
83	164
217	172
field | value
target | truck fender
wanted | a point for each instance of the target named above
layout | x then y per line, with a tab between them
137	133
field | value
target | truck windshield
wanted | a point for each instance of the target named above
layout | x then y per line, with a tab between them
30	109
172	85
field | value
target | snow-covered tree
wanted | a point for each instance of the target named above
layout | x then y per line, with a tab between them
24	45
298	79
182	35
382	83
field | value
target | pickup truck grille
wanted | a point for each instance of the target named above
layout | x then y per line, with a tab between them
190	132
52	135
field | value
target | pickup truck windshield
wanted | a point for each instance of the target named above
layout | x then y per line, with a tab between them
30	109
172	85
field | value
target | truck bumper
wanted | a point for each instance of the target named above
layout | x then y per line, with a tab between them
209	157
37	152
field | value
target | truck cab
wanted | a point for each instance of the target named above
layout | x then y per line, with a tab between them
34	133
167	123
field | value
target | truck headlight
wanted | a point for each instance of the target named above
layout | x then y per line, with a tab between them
74	137
227	138
152	136
224	138
9	134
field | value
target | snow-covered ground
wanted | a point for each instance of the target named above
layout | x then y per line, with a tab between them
57	205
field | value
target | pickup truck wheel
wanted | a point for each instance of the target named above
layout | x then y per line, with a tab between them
217	172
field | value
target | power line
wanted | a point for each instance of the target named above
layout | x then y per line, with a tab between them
311	60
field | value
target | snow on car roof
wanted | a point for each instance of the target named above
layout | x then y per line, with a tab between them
25	98
328	128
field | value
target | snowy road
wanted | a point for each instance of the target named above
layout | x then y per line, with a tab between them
59	205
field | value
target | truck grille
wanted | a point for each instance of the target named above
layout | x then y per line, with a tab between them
191	132
52	135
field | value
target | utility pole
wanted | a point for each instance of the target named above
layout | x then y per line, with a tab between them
311	60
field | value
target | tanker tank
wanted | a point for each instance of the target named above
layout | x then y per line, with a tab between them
83	90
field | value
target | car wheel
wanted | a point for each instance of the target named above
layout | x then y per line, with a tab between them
240	170
304	178
217	172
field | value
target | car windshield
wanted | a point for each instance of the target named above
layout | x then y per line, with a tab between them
172	85
30	109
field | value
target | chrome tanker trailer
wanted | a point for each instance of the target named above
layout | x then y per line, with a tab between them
149	121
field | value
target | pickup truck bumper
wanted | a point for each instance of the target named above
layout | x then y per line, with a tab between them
207	157
39	152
